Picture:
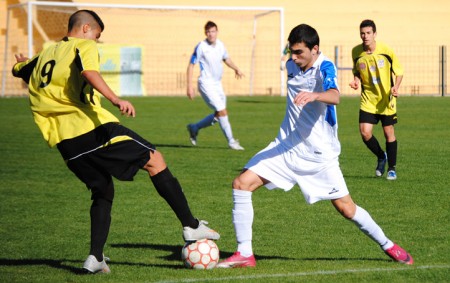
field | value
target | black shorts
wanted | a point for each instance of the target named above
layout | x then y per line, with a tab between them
95	164
386	120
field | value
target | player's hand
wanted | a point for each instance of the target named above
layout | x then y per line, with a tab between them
304	98
125	107
20	58
238	74
190	93
394	91
354	84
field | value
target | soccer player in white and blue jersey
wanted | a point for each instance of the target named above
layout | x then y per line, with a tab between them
305	152
209	54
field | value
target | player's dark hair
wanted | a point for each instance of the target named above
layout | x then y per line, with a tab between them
368	23
209	25
77	16
306	34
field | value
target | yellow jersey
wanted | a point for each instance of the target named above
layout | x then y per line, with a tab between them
375	72
63	104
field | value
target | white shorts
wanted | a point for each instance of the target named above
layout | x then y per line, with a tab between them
317	180
213	95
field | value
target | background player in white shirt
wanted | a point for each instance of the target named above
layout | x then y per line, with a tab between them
305	152
210	53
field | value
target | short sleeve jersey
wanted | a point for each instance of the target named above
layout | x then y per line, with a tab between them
210	57
375	71
63	104
310	132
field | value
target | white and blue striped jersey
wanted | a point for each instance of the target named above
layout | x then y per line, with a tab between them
310	132
210	57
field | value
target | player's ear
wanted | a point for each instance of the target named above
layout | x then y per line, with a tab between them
315	49
86	28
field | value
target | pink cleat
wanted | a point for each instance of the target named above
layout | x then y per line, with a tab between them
236	260
399	254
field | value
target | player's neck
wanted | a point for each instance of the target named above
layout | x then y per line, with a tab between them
213	43
369	49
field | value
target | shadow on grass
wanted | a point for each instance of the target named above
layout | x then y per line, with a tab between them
173	145
281	101
364	177
190	146
55	263
65	264
175	251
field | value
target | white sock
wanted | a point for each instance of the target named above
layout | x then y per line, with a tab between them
367	225
226	128
243	221
206	122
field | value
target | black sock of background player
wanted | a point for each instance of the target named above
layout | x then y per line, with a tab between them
375	147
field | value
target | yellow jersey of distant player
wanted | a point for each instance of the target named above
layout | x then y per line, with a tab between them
64	105
375	71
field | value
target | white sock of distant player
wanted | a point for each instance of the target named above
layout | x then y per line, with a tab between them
243	221
367	225
226	128
206	122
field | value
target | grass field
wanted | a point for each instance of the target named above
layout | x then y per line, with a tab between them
44	218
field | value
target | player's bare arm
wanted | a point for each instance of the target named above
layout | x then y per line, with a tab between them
237	73
95	80
190	88
20	58
330	96
394	89
355	83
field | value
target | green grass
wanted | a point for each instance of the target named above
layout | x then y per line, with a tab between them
44	219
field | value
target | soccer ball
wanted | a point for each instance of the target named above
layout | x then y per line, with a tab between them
202	254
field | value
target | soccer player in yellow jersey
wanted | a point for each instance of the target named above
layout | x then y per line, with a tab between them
95	147
375	66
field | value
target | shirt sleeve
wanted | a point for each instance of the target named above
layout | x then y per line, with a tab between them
225	55
397	68
196	54
355	56
329	75
24	69
88	56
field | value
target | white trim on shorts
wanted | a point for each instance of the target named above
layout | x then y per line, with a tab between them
318	180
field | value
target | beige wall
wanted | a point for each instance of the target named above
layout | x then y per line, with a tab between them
415	28
398	21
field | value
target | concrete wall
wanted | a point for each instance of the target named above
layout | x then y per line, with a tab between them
414	28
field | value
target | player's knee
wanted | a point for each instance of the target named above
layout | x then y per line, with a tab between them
222	113
348	210
102	190
345	206
239	185
155	164
366	135
347	213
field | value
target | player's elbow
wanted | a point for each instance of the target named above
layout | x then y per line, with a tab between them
338	100
334	97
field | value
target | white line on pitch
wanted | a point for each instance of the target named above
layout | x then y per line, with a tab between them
300	274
